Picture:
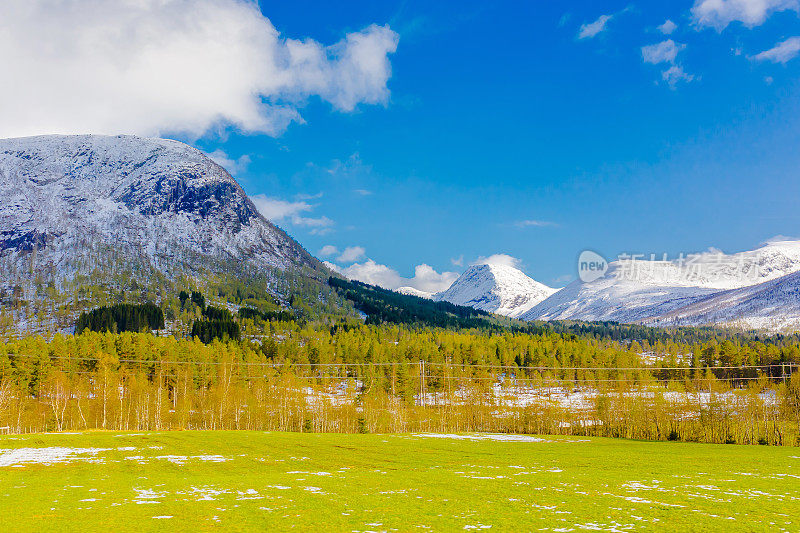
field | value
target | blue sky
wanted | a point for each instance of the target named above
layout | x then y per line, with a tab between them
532	129
501	114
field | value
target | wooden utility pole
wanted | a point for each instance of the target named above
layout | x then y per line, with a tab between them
422	383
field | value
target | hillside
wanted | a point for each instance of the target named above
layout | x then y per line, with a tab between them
85	219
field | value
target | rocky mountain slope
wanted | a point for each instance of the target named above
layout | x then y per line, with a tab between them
499	289
155	199
89	219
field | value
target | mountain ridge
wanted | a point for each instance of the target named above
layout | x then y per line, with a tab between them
636	293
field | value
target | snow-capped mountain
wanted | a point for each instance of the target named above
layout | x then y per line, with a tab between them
772	305
63	199
635	290
500	289
411	291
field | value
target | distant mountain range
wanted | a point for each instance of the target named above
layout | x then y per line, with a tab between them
753	289
82	207
772	305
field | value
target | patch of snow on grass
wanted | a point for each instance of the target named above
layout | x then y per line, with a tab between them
47	456
147	496
207	493
482	436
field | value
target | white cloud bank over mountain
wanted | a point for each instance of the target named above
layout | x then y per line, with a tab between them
499	259
185	66
233	166
425	278
279	211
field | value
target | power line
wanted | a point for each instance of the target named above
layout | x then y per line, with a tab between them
410	364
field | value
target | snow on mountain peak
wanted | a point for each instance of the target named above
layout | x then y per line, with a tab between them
412	291
636	288
62	195
496	288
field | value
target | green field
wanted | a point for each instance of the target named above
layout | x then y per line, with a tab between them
191	481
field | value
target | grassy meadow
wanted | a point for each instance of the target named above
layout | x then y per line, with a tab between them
205	481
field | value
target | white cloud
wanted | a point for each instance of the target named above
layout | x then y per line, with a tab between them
499	259
362	192
718	14
428	280
351	254
328	250
779	238
663	52
675	74
781	52
667	52
425	277
304	196
668	27
181	66
320	222
323	231
591	29
533	223
233	166
277	210
370	272
566	278
458	261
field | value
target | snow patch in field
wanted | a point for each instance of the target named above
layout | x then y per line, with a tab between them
249	494
144	496
211	458
179	460
636	499
48	456
639	485
207	493
482	436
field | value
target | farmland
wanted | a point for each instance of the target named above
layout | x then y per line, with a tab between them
195	480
